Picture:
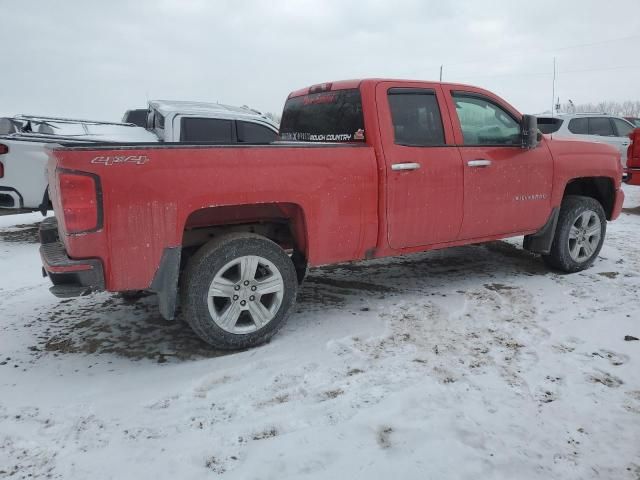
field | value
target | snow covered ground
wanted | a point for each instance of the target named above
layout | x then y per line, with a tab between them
472	362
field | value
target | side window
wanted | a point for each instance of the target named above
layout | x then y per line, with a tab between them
485	123
249	132
579	126
600	126
623	128
206	130
416	117
549	125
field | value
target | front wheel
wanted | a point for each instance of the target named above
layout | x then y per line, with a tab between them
579	234
238	291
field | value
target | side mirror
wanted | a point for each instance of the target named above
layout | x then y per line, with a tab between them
529	127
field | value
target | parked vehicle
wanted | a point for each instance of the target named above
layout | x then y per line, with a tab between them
634	120
195	122
136	116
230	230
595	127
633	159
23	157
23	182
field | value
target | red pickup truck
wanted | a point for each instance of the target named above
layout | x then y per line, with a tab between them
364	169
633	159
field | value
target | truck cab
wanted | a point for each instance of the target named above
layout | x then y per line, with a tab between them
199	122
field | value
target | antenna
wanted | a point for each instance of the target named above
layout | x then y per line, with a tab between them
441	72
553	88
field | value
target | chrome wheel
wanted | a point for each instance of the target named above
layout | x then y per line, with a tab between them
245	294
584	236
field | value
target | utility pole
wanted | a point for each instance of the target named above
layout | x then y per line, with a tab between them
441	72
553	88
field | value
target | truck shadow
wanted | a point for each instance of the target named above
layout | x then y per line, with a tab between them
632	211
108	324
27	233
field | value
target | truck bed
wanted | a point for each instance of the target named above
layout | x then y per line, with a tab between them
152	193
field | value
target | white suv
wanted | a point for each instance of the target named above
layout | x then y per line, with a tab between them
594	127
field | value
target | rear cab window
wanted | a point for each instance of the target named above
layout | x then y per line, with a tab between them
331	116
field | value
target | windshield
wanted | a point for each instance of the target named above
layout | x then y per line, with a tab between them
324	117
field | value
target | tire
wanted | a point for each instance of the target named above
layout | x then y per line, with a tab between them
244	309
579	235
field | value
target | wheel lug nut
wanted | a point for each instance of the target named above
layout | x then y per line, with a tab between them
235	297
237	287
254	288
246	283
243	303
252	298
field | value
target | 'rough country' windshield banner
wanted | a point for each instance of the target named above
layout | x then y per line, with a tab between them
317	137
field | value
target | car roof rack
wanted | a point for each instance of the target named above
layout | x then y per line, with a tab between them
38	118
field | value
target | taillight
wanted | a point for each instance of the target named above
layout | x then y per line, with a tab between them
80	203
633	153
3	150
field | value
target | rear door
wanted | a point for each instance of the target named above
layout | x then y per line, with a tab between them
423	167
507	188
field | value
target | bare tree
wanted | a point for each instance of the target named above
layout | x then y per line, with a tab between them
628	108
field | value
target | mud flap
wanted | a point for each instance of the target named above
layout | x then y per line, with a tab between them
165	282
541	241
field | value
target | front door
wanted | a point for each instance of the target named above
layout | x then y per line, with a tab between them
507	188
423	167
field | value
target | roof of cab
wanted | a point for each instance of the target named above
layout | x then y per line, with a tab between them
356	83
166	107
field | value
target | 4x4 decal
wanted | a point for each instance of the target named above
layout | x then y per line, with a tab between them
120	159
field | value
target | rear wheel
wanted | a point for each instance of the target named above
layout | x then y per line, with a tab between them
238	290
579	234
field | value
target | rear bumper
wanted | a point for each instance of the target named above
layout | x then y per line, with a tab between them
70	278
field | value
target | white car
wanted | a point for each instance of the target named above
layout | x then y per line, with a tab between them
23	139
594	127
23	155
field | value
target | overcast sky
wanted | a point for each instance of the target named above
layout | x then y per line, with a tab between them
95	59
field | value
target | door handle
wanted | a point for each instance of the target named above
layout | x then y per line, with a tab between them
479	163
405	166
